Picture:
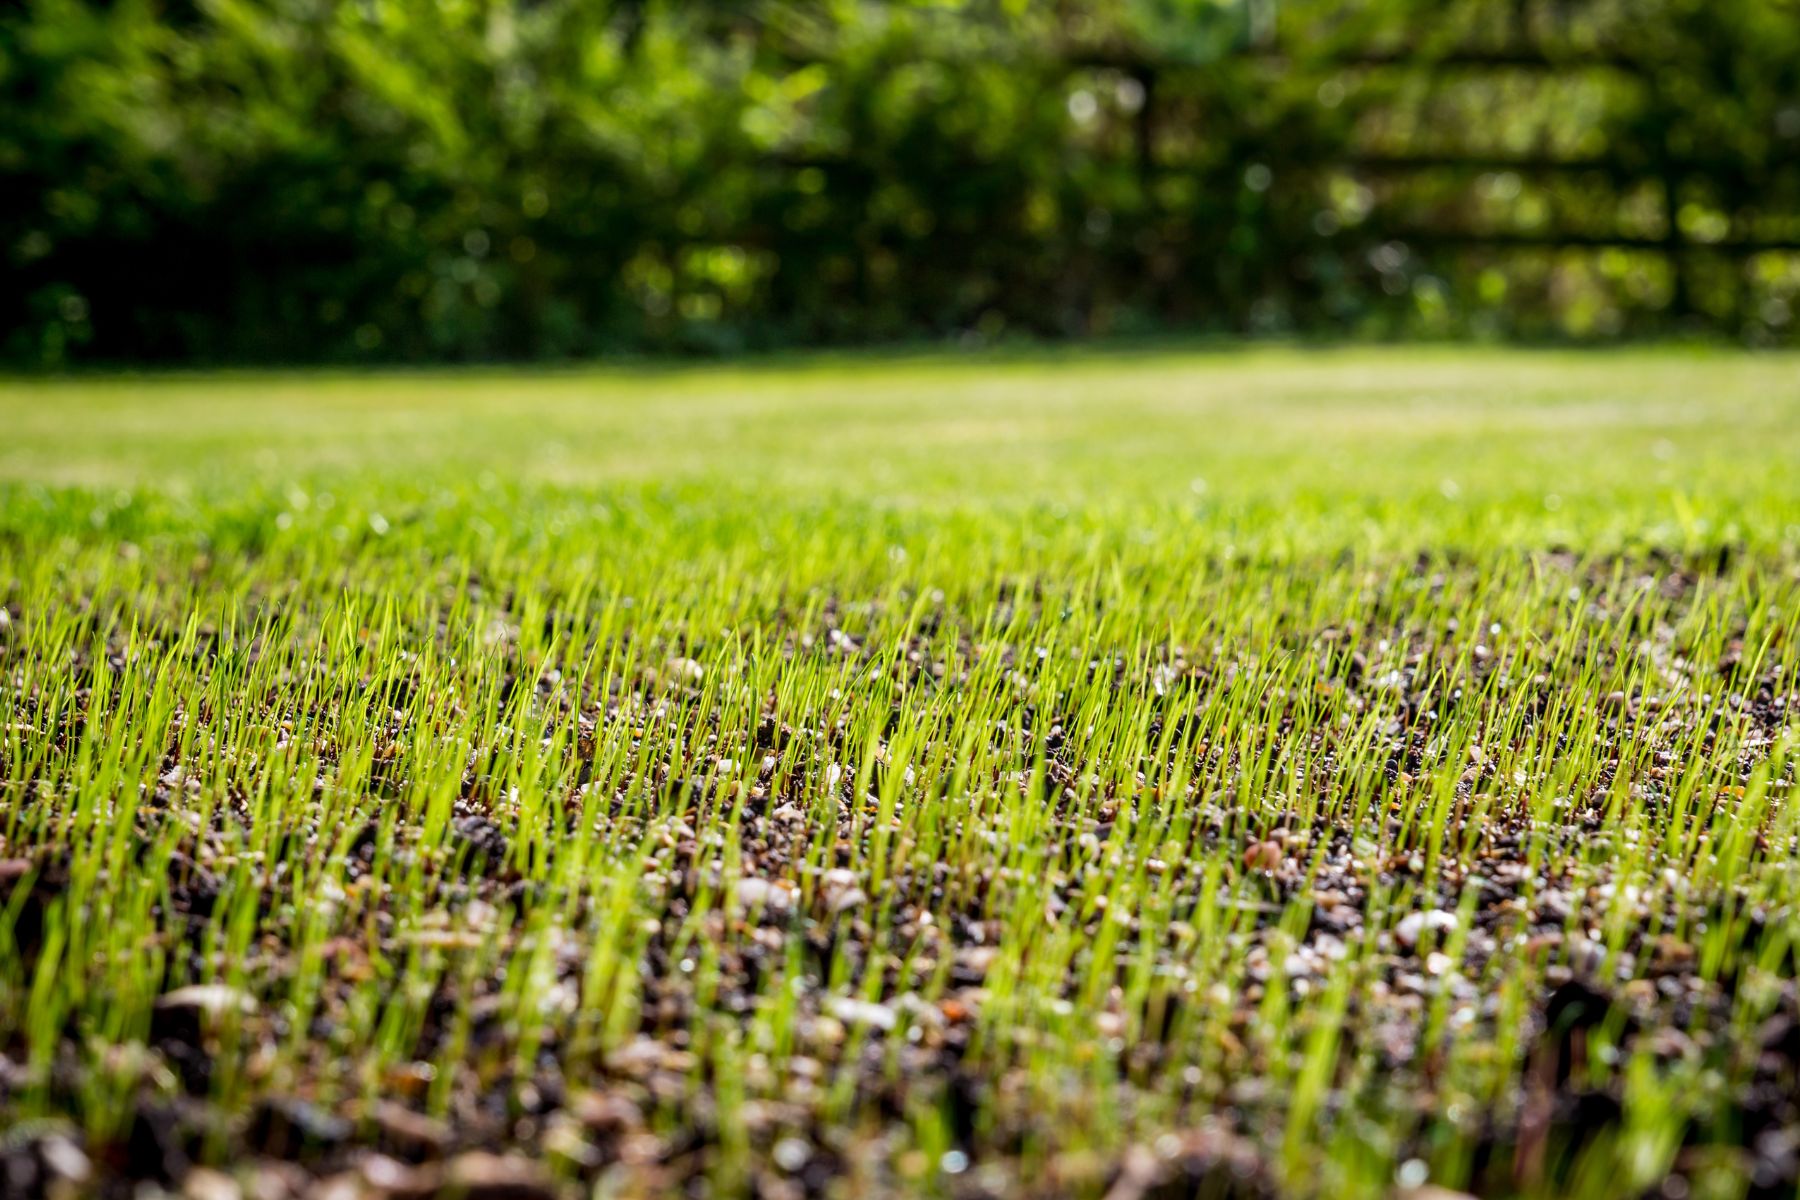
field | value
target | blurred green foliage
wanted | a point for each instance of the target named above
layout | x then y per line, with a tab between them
233	180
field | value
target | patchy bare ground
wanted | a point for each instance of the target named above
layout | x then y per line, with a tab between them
949	915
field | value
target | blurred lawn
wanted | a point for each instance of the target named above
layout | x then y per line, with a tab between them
1401	446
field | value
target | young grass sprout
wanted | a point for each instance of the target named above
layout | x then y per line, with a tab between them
902	779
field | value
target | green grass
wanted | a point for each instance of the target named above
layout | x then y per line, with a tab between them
1087	728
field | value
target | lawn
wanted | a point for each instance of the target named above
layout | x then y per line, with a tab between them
1284	772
